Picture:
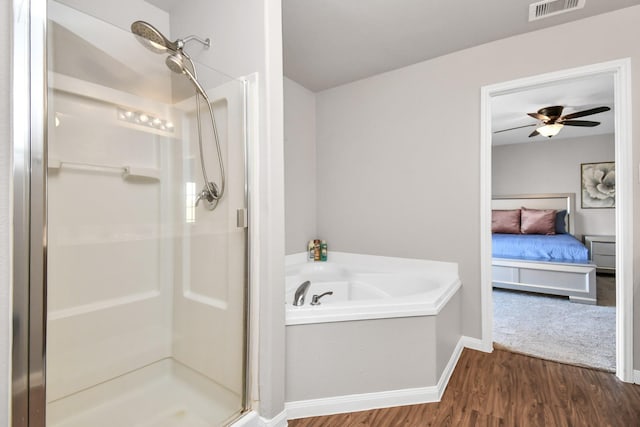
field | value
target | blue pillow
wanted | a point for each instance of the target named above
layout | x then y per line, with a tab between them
561	228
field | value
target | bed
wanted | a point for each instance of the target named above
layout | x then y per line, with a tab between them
550	264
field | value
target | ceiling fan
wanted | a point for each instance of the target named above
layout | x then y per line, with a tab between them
553	120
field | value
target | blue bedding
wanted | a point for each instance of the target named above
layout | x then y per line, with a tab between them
555	248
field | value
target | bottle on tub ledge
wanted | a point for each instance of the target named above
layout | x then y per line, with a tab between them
317	250
323	250
310	250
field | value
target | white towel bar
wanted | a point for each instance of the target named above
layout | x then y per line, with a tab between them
126	172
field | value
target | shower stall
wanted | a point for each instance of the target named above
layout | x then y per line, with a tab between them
136	312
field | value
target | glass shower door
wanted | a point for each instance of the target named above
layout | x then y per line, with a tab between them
146	292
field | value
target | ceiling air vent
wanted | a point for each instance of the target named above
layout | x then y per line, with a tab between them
543	9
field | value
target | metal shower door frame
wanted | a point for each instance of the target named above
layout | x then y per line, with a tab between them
29	115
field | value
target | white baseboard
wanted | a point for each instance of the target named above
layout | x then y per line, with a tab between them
360	402
252	419
383	399
448	370
279	420
636	377
477	344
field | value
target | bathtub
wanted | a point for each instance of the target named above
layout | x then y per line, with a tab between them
389	335
368	287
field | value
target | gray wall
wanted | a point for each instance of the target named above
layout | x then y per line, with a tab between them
403	148
300	166
5	213
554	167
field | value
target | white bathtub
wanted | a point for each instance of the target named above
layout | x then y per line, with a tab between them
368	287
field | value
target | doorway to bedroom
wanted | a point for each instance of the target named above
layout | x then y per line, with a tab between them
537	289
555	141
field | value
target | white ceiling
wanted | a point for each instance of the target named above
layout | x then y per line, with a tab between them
332	42
508	111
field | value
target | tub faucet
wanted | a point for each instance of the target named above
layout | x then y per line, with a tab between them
315	300
301	292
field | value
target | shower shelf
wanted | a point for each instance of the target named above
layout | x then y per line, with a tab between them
129	173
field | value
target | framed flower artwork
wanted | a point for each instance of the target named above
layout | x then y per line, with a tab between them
598	185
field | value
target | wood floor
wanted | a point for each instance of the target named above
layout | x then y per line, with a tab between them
508	389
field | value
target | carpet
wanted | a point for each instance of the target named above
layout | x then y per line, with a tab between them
553	328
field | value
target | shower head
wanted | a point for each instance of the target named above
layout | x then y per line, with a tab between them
154	40
176	63
151	38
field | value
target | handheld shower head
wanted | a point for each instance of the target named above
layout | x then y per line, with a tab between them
151	38
176	63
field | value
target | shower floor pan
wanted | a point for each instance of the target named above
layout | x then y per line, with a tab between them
163	394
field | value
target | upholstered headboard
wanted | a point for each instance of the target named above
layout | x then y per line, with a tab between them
556	201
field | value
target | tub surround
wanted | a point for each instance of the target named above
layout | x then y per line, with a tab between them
339	362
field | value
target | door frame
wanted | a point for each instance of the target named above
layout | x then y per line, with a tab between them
620	70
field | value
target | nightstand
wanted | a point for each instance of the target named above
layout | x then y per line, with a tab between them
602	251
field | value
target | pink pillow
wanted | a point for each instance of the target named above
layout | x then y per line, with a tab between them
507	222
538	221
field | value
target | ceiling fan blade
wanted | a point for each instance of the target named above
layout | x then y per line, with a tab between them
552	112
534	133
583	123
517	127
539	116
585	113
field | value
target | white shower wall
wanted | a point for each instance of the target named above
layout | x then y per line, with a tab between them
106	274
210	280
136	273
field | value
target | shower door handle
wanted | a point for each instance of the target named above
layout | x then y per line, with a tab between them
241	218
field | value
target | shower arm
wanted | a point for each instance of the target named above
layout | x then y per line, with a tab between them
181	42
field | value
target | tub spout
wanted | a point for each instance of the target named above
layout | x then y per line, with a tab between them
315	300
301	292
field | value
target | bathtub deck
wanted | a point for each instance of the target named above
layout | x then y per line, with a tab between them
504	388
164	394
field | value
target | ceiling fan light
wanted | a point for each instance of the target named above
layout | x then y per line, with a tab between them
550	130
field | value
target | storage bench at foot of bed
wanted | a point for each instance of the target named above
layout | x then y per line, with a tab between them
577	281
